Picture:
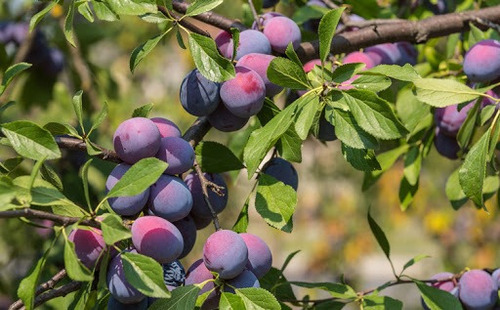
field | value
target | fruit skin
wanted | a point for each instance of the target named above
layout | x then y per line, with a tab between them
222	41
281	31
482	61
89	245
260	258
198	273
226	253
446	145
266	4
200	222
386	54
496	276
477	290
264	18
326	131
308	66
449	119
166	127
408	52
223	120
127	205
283	171
250	41
448	286
135	139
360	57
243	280
157	238
244	95
178	153
114	304
118	285
170	198
187	228
200	207
259	63
198	95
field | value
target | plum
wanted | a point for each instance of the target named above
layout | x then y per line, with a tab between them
446	145
223	120
283	171
170	198
127	205
269	3
226	253
200	207
245	279
477	290
482	61
199	96
187	227
135	139
259	63
360	57
89	245
166	127
118	285
260	258
280	31
178	153
250	41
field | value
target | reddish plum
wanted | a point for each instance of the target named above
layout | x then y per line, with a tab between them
482	61
260	258
170	198
166	127
226	253
259	63
89	245
281	31
135	139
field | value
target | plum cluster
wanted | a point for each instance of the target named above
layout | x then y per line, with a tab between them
45	59
239	260
476	289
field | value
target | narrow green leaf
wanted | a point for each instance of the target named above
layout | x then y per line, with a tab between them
30	140
40	15
145	274
292	55
288	260
230	301
495	136
275	202
202	6
43	193
326	31
76	270
413	163
68	24
336	290
144	49
235	35
473	170
437	299
475	35
413	261
241	224
258	298
139	177
143	111
360	159
208	60
372	83
180	40
380	236
183	297
305	117
100	118
56	128
348	130
85	180
113	229
85	11
443	92
215	157
407	192
406	73
372	302
286	73
77	106
132	7
11	72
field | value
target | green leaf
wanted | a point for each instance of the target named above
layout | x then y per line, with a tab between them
275	202
49	175
139	177
77	106
292	55
155	18
43	193
132	7
100	118
144	49
85	180
183	297
68	24
258	298
407	192
380	236
85	11
229	301
56	128
275	282
495	136
360	159
415	115
40	15
113	229
454	191
286	73
473	170
336	290
374	114
215	157
413	261
145	274
413	163
241	224
372	83
373	302
405	73
30	140
441	92
486	114
208	60
202	6
348	131
466	131
76	270
307	12
7	192
26	289
288	260
437	299
103	11
11	72
235	35
289	146
326	31
346	71
143	111
180	40
475	35
305	117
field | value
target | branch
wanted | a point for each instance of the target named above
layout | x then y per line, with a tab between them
204	185
58	219
210	18
57	292
71	143
182	22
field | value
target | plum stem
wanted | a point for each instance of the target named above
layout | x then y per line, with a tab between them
255	15
204	187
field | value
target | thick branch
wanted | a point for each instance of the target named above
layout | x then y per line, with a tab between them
57	292
210	18
197	131
37	214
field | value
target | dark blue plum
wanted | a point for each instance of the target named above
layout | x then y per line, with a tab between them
174	274
477	290
266	4
283	171
408	52
170	198
178	153
260	258
135	139
200	222
223	120
187	227
200	207
127	205
243	280
326	131
118	285
199	96
446	145
114	304
482	61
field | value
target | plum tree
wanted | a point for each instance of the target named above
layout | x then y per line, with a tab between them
226	253
118	285
135	139
166	127
283	171
126	205
187	228
477	290
178	153
260	258
244	95
89	244
156	237
170	198
200	208
481	63
259	63
280	31
198	95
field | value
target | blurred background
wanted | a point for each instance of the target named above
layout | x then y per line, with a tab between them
330	224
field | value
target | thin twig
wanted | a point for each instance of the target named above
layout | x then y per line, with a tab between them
57	292
255	15
71	143
58	219
204	185
210	18
183	21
